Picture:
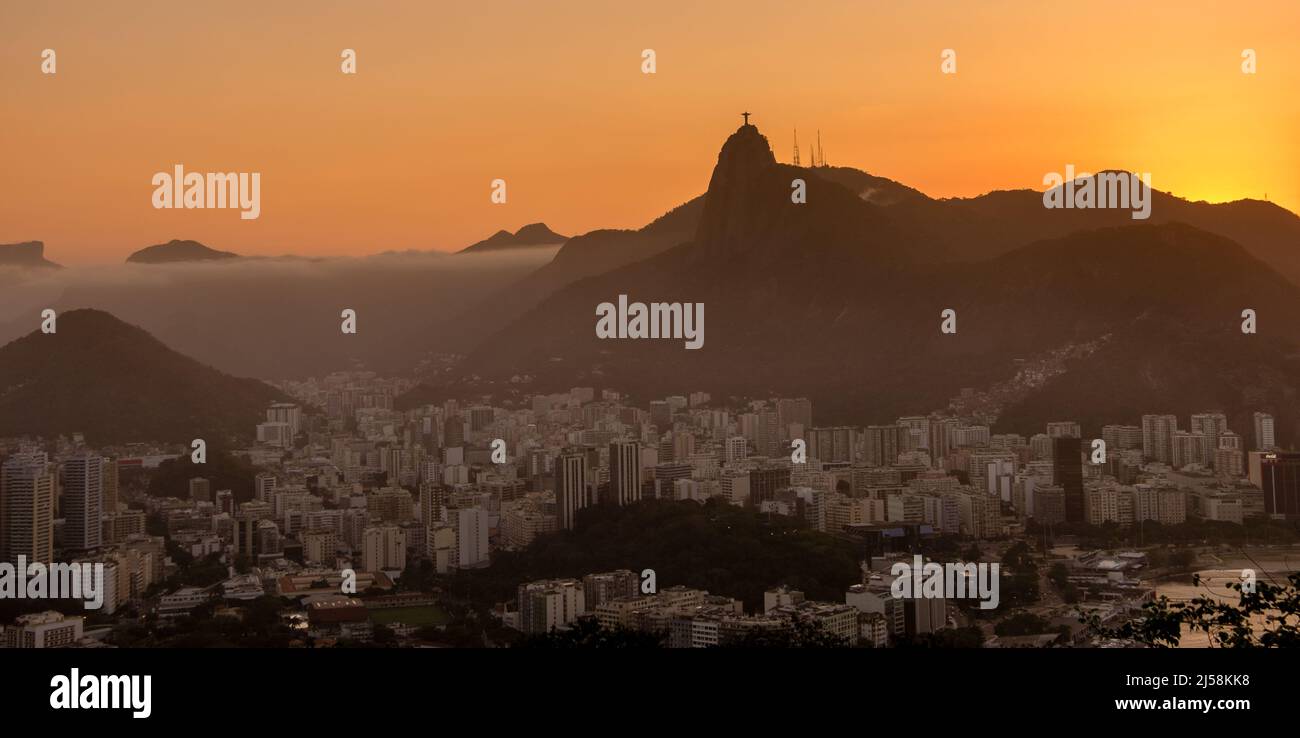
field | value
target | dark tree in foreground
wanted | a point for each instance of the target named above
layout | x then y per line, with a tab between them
588	633
802	633
1228	625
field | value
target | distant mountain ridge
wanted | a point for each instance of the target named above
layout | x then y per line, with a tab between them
533	234
839	300
25	254
177	251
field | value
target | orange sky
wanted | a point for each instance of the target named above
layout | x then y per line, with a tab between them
550	97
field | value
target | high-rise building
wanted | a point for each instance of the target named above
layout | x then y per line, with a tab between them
453	432
942	434
1067	473
1264	440
661	415
765	482
111	483
570	487
737	449
610	585
27	508
1064	428
793	412
882	445
1210	425
624	472
916	432
1279	474
1157	437
288	413
264	485
83	502
200	490
1120	437
383	547
471	536
767	433
550	604
832	445
480	418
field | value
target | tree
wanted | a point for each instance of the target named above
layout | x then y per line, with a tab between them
1274	608
803	632
589	633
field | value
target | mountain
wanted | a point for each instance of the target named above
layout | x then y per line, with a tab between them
279	317
175	251
715	546
116	383
983	227
835	300
26	254
533	234
580	257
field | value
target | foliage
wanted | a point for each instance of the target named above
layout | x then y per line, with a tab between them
715	546
1268	617
588	633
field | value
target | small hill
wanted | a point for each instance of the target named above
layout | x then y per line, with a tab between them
117	384
715	546
176	251
533	234
26	254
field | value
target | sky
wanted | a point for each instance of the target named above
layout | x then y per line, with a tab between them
550	97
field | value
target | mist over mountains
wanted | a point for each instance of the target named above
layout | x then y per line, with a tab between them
1080	313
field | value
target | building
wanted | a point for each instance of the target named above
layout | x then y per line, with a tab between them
48	629
832	445
83	502
1264	438
27	508
383	548
549	604
607	586
471	525
1067	473
571	493
1157	437
625	472
882	444
1279	474
200	490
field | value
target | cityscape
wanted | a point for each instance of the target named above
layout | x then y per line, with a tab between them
357	357
351	521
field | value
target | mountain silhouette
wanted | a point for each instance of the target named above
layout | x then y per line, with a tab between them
176	251
580	257
117	384
26	254
836	300
533	234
